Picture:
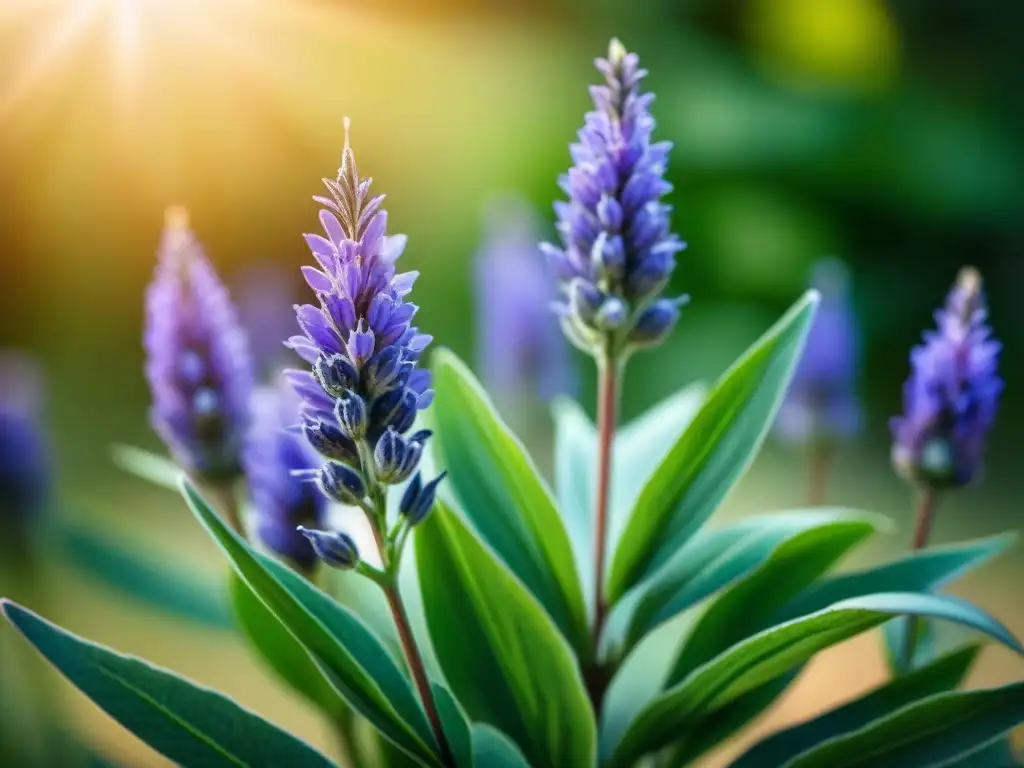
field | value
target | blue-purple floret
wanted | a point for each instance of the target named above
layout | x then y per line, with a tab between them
951	397
364	389
198	365
281	499
25	461
822	402
617	251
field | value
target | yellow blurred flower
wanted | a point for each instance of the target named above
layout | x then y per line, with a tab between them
851	44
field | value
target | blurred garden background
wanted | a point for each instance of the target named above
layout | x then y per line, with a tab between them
889	134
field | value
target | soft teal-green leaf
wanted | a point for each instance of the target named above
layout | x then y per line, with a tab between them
144	578
940	676
712	454
750	603
285	655
501	654
455	725
503	495
188	724
928	733
771	653
150	467
356	662
714	560
997	754
493	749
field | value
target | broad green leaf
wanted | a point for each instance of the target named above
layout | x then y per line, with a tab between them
501	654
150	467
503	495
927	733
189	724
713	560
455	725
712	454
941	675
493	749
749	604
997	754
146	579
769	654
354	659
285	655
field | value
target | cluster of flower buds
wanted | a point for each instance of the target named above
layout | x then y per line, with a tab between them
617	250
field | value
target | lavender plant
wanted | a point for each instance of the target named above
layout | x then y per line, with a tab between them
531	652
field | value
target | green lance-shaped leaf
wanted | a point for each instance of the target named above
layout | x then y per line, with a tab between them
189	724
455	725
503	495
941	675
712	454
156	584
355	660
147	466
939	730
501	654
769	654
639	447
493	749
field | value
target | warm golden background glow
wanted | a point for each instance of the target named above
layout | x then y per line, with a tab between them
889	133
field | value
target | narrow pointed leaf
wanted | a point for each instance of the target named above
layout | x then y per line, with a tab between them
712	454
147	466
501	654
493	749
455	725
354	659
185	722
928	733
503	495
940	676
769	654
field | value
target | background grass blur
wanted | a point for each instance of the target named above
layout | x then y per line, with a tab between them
888	133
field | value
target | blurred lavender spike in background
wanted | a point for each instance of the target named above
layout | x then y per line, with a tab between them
281	500
822	402
360	339
951	396
25	460
617	250
519	345
265	295
197	358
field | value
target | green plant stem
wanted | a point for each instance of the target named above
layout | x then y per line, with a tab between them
225	500
416	667
607	411
922	530
820	456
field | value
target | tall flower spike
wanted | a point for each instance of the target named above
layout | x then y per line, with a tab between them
950	399
520	348
617	251
359	340
282	499
25	462
822	400
198	364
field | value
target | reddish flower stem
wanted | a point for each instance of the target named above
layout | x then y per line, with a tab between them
922	530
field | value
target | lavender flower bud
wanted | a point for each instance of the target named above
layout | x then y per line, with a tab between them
352	416
951	397
359	339
418	499
25	462
198	365
396	457
342	484
614	228
822	400
656	322
282	500
335	548
329	441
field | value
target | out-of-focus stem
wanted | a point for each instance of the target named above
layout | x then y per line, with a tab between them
922	530
821	454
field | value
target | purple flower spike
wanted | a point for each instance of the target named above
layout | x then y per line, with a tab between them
950	399
364	385
282	500
617	251
520	347
25	461
822	401
198	364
